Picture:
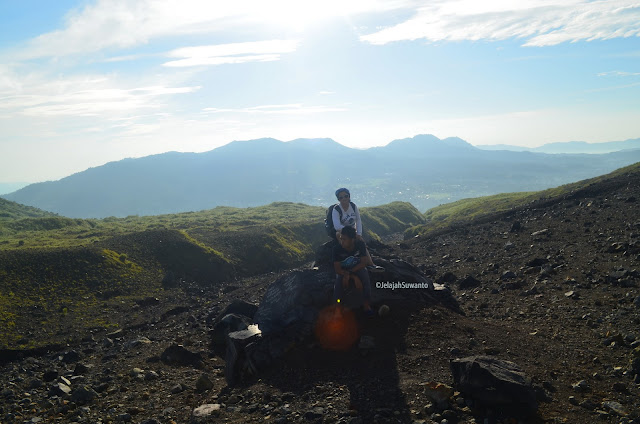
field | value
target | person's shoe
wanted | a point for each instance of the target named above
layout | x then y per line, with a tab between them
375	268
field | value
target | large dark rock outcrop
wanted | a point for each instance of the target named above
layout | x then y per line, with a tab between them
495	383
291	305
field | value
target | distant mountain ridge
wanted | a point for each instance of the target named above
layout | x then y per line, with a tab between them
423	170
572	147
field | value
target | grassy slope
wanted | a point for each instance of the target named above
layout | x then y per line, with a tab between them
67	271
12	210
468	210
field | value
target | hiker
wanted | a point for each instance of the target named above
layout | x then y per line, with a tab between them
350	261
348	215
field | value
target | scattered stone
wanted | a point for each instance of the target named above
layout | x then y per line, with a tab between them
59	389
49	376
314	414
179	355
620	387
540	233
438	393
615	407
83	395
508	275
138	342
469	282
148	301
447	278
204	383
207	410
178	388
81	369
537	262
71	357
581	386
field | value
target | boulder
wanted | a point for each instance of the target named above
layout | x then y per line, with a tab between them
294	299
291	305
494	383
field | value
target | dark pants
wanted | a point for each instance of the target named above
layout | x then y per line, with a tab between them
363	274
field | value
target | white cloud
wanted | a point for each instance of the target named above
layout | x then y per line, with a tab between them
285	109
117	24
619	74
538	22
258	51
91	95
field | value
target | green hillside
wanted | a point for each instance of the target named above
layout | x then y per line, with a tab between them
468	210
12	210
73	271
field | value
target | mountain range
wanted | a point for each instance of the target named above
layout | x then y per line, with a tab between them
571	147
424	170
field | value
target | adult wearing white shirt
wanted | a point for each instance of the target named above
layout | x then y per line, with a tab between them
348	215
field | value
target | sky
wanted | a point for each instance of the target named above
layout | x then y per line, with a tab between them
83	83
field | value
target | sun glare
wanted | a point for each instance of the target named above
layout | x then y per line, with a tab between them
300	15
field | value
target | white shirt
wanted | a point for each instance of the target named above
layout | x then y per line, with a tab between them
350	217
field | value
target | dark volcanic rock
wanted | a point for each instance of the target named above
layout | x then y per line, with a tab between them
179	355
494	383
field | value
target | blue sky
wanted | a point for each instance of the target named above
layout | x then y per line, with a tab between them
83	83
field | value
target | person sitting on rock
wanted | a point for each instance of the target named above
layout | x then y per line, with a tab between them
350	216
350	261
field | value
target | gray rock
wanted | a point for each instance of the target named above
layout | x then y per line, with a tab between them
178	388
124	418
49	376
508	275
540	233
81	369
314	414
59	389
36	383
179	355
494	383
70	357
138	342
206	410
204	383
615	408
537	262
469	282
581	386
83	394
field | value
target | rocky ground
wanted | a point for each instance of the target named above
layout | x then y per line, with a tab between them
553	289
